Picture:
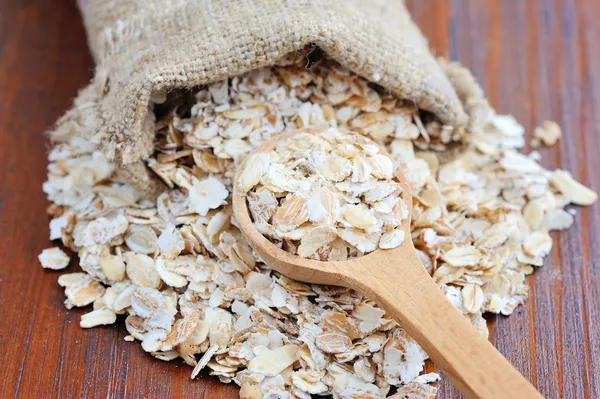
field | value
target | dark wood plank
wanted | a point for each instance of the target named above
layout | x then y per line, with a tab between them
507	75
43	62
536	59
588	32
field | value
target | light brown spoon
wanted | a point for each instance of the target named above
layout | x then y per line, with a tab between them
398	281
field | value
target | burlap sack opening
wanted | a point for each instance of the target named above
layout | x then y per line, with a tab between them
145	47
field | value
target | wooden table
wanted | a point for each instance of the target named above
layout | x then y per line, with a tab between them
536	59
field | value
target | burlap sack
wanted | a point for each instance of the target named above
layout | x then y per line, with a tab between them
143	47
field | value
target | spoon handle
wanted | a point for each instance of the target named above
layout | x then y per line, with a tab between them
403	287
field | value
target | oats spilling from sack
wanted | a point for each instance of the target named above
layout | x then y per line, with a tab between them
188	285
327	195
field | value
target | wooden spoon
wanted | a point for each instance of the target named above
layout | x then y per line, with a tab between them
397	280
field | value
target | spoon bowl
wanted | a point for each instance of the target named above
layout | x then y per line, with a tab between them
397	280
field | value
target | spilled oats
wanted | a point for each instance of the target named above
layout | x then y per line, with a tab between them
188	286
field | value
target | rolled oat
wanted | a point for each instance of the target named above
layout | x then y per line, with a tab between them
330	194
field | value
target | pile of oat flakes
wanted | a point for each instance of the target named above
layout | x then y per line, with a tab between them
327	195
189	287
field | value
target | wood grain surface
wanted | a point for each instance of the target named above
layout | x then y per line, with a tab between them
536	59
